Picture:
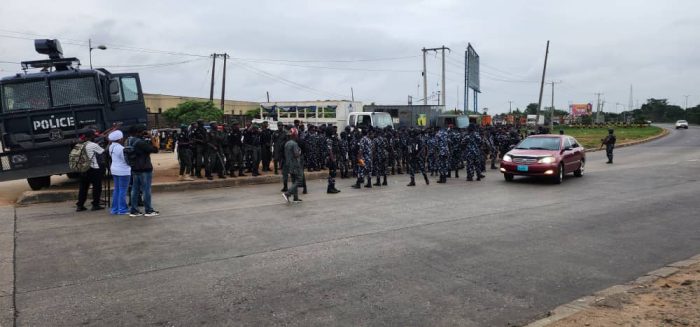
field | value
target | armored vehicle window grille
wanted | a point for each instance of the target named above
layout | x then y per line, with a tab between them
74	91
25	96
130	89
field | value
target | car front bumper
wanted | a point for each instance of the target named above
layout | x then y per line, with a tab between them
537	169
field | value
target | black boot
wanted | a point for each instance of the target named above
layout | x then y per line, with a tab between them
442	179
449	174
378	183
369	182
284	187
384	183
427	181
392	170
493	166
469	179
412	183
400	172
240	173
456	173
358	183
331	189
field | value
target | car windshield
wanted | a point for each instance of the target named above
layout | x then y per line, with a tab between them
381	121
539	143
682	122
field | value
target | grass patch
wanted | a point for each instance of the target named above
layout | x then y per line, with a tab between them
590	137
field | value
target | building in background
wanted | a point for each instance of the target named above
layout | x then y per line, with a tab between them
157	103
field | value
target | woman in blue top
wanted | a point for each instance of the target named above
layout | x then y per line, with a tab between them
121	172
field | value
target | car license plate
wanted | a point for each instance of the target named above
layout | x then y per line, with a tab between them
522	168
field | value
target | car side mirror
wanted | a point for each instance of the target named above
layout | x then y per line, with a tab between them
114	92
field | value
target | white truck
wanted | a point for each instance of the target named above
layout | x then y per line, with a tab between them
532	120
336	113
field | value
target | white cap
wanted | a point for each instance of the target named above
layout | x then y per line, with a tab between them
115	136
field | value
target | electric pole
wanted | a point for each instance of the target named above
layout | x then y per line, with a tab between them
352	94
223	82
268	96
425	73
544	72
597	110
551	112
425	81
510	107
213	70
686	106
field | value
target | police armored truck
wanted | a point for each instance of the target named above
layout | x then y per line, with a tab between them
43	113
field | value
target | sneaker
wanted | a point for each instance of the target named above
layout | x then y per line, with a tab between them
81	208
285	196
97	208
297	201
152	213
135	214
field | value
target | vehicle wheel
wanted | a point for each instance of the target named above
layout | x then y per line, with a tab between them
560	175
73	175
37	183
508	177
579	172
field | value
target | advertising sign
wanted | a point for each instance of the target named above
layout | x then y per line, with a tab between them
578	110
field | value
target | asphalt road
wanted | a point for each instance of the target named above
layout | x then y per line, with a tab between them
463	254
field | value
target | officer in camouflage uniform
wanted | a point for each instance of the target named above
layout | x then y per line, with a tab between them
216	154
472	144
279	138
333	150
343	162
235	141
443	154
200	138
416	152
184	154
364	158
265	146
379	145
455	139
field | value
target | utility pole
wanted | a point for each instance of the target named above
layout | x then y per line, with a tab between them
510	107
686	106
444	103
223	82
551	112
352	94
597	110
268	96
213	70
425	81
466	81
425	73
544	72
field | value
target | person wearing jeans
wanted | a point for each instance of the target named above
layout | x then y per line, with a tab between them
93	176
141	172
121	172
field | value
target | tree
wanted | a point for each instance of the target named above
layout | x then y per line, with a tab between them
190	111
658	110
531	109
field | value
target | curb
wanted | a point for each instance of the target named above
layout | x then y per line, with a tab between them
49	196
586	302
665	132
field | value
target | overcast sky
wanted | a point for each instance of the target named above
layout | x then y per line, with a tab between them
309	50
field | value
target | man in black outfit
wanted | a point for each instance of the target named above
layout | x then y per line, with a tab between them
92	176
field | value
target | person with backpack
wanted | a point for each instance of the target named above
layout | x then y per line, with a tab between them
121	172
91	173
138	154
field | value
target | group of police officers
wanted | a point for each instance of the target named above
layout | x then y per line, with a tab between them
361	153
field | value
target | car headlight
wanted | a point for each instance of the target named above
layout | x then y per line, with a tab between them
546	160
507	158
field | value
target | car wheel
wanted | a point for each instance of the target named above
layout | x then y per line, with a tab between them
579	172
508	177
560	175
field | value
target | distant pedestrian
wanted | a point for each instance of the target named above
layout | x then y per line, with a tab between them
92	176
141	172
292	162
121	173
609	142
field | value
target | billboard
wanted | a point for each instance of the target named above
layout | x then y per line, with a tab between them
578	110
472	69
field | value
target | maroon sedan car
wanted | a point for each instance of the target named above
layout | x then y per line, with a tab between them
545	155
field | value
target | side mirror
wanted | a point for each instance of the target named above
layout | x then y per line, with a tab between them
114	92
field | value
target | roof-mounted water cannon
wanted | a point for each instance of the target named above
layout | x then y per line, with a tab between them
53	49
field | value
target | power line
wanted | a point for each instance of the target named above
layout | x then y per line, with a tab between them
287	81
